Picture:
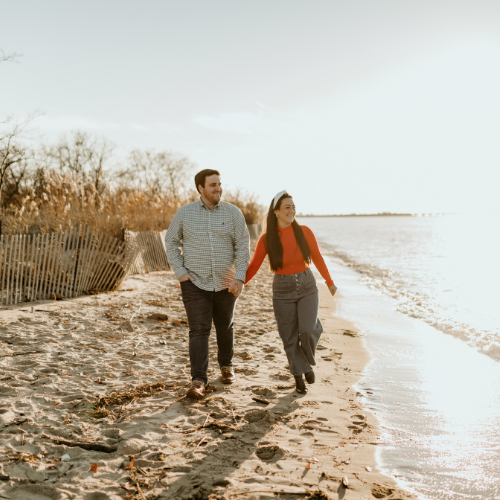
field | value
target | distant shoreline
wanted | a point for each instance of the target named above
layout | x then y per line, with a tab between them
382	214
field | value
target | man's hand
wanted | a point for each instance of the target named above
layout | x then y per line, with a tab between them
332	289
236	287
185	277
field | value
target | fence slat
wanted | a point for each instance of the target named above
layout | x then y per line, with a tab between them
18	268
112	262
150	252
78	244
2	263
29	266
107	263
50	259
80	261
154	245
9	245
99	239
41	243
52	263
118	269
85	258
69	268
36	267
60	269
89	260
64	262
12	268
54	274
45	258
102	260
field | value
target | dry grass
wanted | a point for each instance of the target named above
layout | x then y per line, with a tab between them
60	202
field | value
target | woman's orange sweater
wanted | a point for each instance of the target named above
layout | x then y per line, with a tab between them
293	260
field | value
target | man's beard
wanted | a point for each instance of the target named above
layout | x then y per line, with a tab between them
215	197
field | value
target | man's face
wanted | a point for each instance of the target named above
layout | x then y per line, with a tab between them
212	191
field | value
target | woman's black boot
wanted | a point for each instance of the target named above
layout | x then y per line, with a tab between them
300	386
310	377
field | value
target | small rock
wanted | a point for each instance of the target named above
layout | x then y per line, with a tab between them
131	447
158	316
350	333
127	325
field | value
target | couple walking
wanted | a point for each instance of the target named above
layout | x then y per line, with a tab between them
208	247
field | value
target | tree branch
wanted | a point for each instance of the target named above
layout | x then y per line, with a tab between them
9	57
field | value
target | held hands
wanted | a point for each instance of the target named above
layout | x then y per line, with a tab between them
332	289
236	287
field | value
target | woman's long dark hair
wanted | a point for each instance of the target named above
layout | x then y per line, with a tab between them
274	246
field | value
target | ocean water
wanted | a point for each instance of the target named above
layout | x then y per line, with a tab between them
417	289
444	270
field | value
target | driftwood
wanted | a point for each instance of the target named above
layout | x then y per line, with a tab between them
20	353
135	410
260	400
86	446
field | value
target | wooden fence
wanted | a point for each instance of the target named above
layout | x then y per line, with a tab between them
68	263
151	255
62	264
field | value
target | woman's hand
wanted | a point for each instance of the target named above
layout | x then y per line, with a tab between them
332	289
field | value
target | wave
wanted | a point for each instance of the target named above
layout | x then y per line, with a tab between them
419	305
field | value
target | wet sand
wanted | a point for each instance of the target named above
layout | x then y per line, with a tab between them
92	404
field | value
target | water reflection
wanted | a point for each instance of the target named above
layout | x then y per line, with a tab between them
437	398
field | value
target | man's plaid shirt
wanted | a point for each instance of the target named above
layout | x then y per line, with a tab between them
215	244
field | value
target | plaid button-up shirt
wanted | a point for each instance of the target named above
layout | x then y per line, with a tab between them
215	244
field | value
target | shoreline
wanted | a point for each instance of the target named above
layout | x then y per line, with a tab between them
59	358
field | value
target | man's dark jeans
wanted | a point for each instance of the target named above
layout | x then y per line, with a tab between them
202	307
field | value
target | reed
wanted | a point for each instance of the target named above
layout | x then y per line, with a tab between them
64	201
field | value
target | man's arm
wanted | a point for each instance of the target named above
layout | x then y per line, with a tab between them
241	251
173	245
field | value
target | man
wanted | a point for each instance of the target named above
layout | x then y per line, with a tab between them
211	269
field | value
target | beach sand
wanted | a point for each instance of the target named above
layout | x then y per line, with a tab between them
92	404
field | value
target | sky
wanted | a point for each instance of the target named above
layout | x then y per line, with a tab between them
353	106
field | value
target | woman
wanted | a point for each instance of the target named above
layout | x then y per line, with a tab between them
295	295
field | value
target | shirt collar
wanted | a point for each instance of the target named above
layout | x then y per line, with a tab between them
202	205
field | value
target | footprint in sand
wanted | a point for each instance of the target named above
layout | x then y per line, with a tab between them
270	453
282	376
260	419
264	391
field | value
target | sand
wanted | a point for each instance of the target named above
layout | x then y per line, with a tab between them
92	404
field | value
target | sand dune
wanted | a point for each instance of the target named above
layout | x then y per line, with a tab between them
92	405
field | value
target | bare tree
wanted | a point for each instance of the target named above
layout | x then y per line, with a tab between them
9	57
82	153
13	131
161	172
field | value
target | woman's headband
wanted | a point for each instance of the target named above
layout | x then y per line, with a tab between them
277	197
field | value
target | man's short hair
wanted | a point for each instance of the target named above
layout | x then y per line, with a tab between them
199	178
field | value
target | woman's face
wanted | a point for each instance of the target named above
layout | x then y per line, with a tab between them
286	212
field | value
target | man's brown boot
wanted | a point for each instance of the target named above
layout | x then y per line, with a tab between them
227	375
196	389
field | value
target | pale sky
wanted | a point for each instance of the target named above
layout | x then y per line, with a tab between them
353	106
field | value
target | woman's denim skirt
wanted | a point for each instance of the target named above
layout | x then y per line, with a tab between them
296	305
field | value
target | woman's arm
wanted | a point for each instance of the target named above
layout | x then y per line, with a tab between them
257	259
316	256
